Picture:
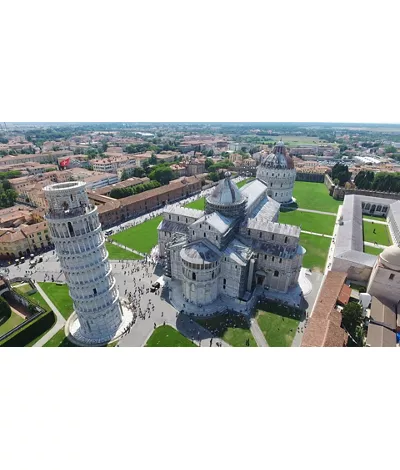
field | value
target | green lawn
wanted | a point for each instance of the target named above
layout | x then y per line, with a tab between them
142	237
309	221
198	204
374	217
116	252
317	251
233	329
59	341
381	235
314	196
166	336
242	183
372	250
60	297
278	327
11	322
36	297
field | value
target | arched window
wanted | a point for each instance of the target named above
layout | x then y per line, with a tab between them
276	273
193	276
70	229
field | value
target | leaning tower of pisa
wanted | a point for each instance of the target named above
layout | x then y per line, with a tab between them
80	245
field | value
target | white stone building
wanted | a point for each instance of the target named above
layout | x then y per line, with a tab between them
385	277
277	171
80	245
231	247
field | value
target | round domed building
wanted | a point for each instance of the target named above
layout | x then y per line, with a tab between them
226	199
277	171
385	277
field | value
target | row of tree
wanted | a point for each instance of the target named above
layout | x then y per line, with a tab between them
8	175
119	193
383	181
341	174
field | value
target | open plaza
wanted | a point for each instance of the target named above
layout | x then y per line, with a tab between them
128	247
277	320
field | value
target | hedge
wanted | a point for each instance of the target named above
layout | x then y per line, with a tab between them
31	331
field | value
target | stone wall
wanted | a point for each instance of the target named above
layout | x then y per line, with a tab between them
310	177
368	192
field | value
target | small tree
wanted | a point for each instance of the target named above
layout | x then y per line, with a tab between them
353	320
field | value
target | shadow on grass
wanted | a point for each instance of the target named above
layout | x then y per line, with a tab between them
289	208
211	327
282	310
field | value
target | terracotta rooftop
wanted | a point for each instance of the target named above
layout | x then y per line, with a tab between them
323	329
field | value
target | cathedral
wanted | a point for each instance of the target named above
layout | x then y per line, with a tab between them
237	243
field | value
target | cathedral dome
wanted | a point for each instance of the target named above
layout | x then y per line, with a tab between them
226	193
226	199
390	257
278	159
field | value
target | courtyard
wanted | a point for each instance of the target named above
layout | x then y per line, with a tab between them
372	250
314	196
278	323
10	322
376	233
317	249
234	329
142	237
59	295
115	252
309	221
166	336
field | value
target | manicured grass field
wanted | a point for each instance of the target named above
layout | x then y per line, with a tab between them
233	329
12	321
59	341
142	237
60	297
309	221
198	204
317	251
242	183
381	235
372	250
314	196
116	252
166	336
278	327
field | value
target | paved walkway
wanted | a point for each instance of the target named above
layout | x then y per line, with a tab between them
58	324
258	334
316	212
375	221
375	245
317	234
113	242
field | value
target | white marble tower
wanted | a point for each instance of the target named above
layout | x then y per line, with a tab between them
80	245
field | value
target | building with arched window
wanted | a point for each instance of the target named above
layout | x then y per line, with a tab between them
231	248
80	245
277	171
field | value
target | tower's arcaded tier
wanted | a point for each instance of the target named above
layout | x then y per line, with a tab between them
80	245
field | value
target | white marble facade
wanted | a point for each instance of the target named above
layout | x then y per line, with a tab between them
277	171
229	252
80	245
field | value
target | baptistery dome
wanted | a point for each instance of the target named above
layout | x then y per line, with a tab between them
279	158
277	171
